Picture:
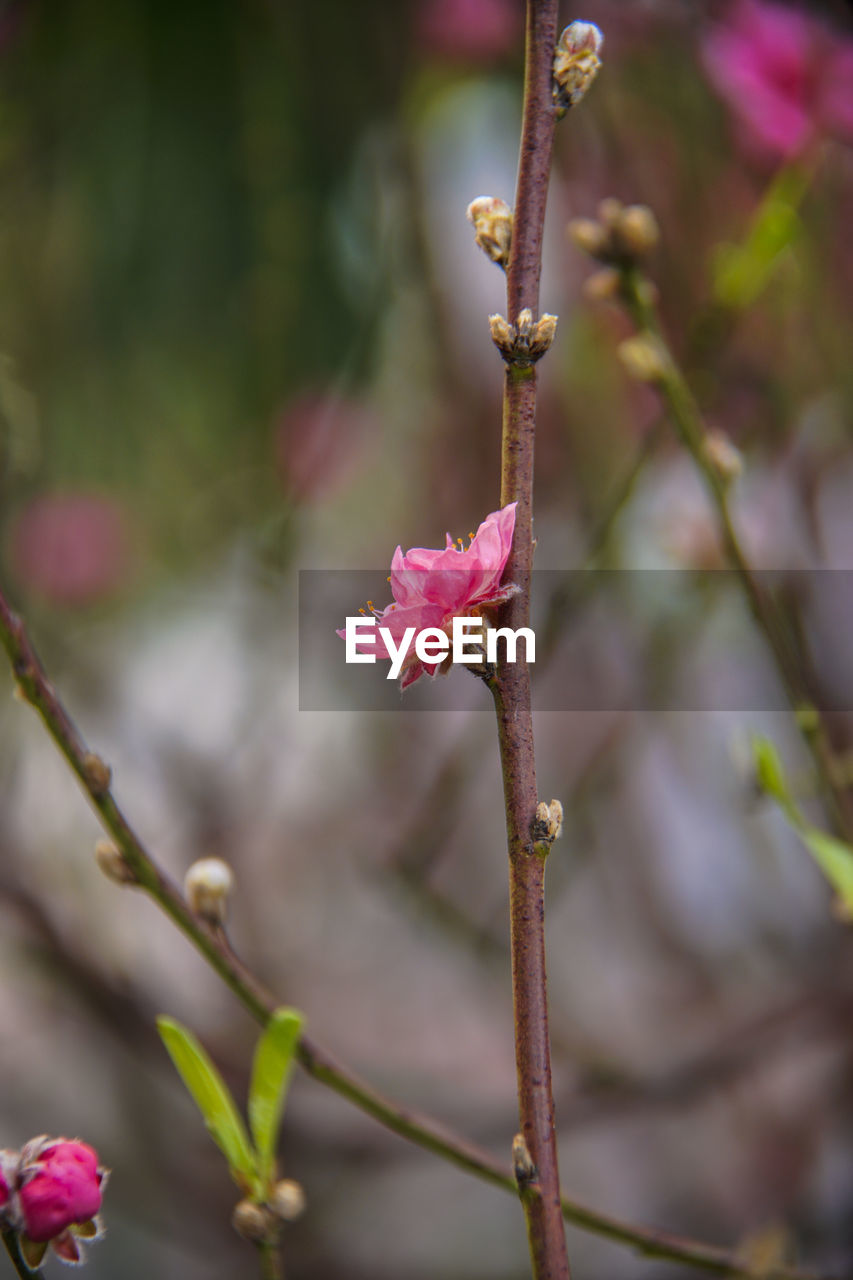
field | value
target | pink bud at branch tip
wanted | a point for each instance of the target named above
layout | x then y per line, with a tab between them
50	1193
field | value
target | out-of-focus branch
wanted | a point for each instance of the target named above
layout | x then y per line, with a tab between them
317	1062
687	419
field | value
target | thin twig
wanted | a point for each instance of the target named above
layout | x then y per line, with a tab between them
409	1124
687	419
540	1192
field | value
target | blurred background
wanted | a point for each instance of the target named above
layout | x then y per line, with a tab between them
243	333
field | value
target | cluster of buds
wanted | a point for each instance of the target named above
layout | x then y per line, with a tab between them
620	238
50	1194
576	63
262	1223
548	823
526	341
491	219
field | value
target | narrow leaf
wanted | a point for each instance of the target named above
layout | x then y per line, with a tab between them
271	1071
769	772
211	1096
835	858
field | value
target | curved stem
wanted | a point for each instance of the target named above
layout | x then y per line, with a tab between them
687	419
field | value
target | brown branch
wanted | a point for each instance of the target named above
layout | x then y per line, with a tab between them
540	1193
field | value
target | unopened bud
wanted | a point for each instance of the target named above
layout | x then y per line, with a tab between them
644	358
576	63
287	1200
503	334
524	323
207	885
542	334
603	286
723	456
254	1222
610	211
98	774
548	823
112	863
589	236
636	230
523	1165
491	219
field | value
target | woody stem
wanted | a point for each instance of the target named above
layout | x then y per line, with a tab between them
540	1192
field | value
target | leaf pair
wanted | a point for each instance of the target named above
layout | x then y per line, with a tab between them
833	856
251	1161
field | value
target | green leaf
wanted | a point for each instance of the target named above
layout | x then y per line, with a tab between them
769	772
743	271
271	1071
835	858
211	1096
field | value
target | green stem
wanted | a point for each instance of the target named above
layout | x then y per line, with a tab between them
12	1242
271	1266
687	419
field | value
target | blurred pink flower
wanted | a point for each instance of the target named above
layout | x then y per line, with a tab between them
784	73
468	30
319	438
431	588
71	548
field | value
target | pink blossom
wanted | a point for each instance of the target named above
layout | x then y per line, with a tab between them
60	1188
785	74
432	587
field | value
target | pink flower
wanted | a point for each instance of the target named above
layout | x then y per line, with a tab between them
431	588
785	74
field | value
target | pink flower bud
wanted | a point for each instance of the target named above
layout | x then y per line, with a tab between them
60	1187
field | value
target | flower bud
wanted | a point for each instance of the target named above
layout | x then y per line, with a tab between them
644	358
610	211
523	1165
254	1222
589	236
112	863
603	285
576	63
287	1200
207	885
491	219
548	823
723	456
60	1186
636	231
503	335
98	773
542	334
